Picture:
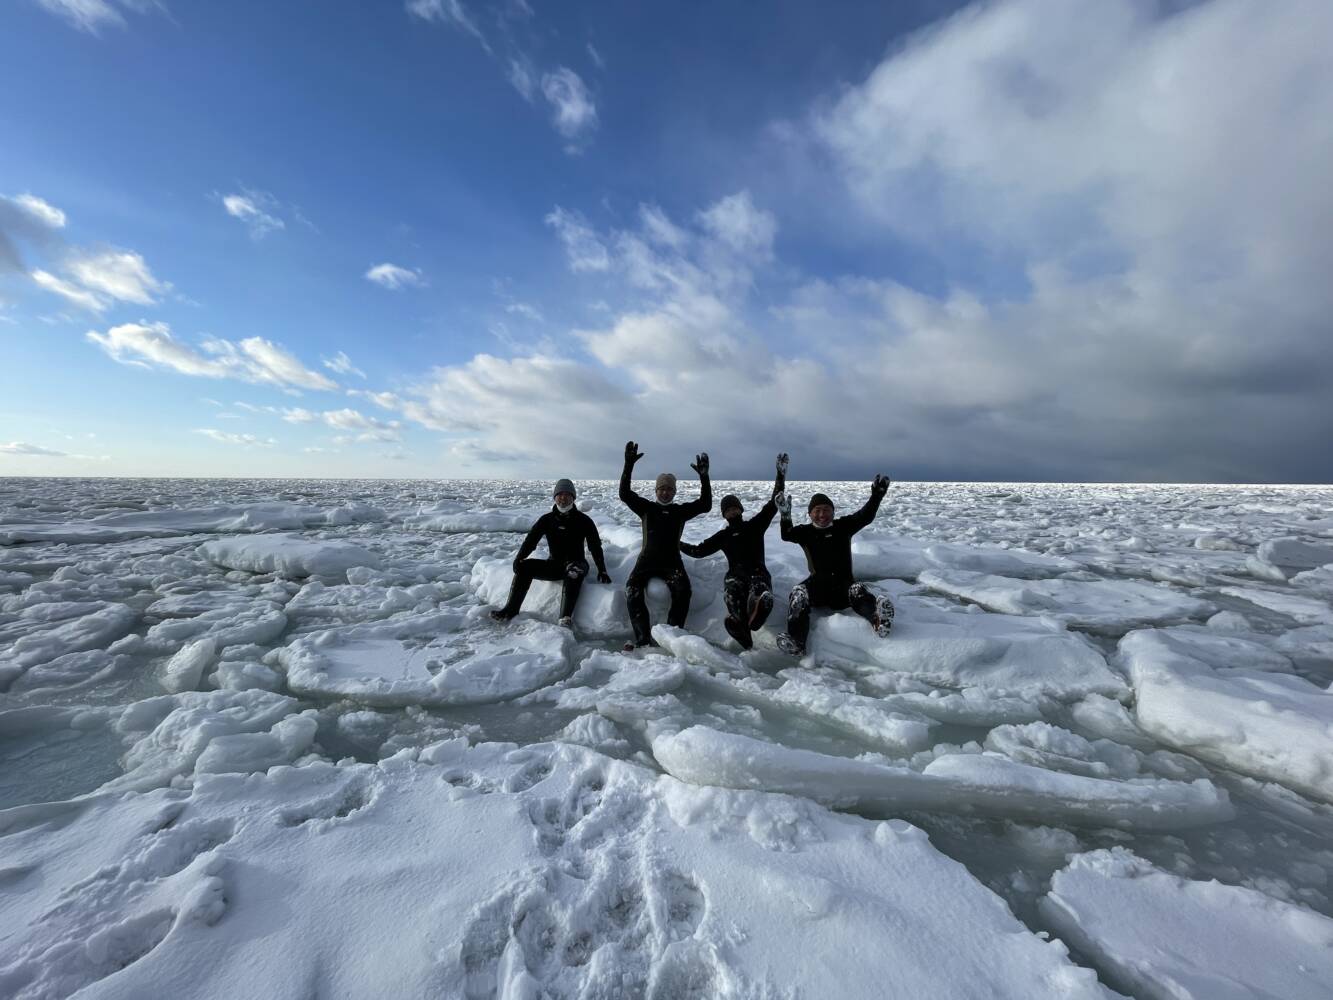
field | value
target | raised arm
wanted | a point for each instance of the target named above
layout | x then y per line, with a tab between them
711	544
705	502
780	480
628	497
783	503
765	516
866	514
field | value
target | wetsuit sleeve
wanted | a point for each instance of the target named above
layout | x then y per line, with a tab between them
788	530
535	534
711	544
628	497
594	541
705	502
764	518
855	522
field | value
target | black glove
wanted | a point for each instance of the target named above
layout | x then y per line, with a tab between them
880	486
632	453
603	576
700	464
783	502
782	464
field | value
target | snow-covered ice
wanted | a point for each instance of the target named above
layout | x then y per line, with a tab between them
264	739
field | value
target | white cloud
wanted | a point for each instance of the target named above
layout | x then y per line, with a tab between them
574	114
736	221
384	400
448	12
366	428
585	250
23	448
296	415
523	77
86	15
256	209
251	360
26	219
40	210
243	440
393	277
80	297
525	310
342	364
114	274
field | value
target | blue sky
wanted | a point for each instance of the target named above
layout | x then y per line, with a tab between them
1026	239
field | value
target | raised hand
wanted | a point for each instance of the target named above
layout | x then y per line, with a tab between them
632	453
603	577
700	464
782	464
783	502
880	485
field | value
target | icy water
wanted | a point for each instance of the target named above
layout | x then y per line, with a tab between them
1073	669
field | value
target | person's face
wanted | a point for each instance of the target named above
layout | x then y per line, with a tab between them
821	516
666	493
732	515
564	499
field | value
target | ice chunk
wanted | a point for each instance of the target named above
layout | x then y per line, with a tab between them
1001	562
184	670
478	522
245	752
351	602
177	729
966	783
427	660
1156	935
1292	553
44	632
1273	726
600	610
256	621
1306	610
287	555
1000	654
1110	607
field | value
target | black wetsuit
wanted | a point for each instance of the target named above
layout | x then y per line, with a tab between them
828	554
660	555
747	588
565	535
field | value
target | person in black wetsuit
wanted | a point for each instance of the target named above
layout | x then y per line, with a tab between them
660	556
828	553
566	530
747	589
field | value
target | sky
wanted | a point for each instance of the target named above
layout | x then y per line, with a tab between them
1060	240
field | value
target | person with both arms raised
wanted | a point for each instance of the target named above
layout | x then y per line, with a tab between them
566	530
828	553
662	523
747	589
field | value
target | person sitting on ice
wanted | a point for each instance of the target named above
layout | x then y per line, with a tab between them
566	530
828	554
662	523
747	589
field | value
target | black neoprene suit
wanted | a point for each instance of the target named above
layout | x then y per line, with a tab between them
747	588
828	554
660	555
565	535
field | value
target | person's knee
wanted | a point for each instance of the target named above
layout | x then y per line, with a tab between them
576	571
799	601
858	592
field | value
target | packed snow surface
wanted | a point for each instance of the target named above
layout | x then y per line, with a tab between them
264	739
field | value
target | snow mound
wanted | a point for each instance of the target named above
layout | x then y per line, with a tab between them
1158	936
1000	654
429	660
286	555
1192	696
493	872
963	783
1108	607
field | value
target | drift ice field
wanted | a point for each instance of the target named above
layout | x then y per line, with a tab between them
262	739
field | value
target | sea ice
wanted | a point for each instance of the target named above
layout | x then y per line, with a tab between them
1196	695
287	555
1110	607
1161	937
